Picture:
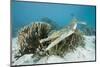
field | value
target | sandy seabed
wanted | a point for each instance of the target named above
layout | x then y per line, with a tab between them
80	54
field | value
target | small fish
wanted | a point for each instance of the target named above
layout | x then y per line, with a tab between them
82	22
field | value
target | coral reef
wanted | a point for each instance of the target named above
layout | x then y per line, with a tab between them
29	36
68	44
65	39
37	39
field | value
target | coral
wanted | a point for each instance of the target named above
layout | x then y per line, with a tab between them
68	38
36	38
29	36
68	44
61	34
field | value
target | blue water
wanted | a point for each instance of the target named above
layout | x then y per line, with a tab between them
24	13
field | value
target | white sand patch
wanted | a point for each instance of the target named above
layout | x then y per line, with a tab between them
15	48
80	54
24	60
51	59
